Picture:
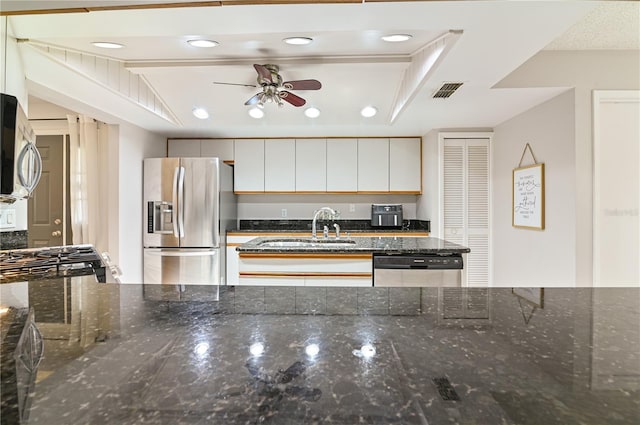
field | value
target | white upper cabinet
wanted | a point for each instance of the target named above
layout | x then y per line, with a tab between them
311	165
280	165
373	165
404	165
342	165
195	148
249	165
185	148
347	165
217	148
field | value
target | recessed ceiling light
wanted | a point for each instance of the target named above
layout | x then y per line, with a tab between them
107	45
200	113
256	113
395	38
312	112
202	43
298	41
368	111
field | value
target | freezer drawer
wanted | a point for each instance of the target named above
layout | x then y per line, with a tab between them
182	266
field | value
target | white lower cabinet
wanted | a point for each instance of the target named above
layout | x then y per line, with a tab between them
232	257
282	269
305	270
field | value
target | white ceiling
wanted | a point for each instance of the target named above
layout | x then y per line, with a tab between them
355	67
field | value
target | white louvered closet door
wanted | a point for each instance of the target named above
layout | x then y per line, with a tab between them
465	203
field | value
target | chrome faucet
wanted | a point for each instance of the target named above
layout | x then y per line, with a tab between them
337	227
315	218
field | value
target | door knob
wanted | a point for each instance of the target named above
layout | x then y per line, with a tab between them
56	233
57	221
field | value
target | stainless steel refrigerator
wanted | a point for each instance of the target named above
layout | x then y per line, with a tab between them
189	205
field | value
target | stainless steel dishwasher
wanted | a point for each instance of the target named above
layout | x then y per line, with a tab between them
434	270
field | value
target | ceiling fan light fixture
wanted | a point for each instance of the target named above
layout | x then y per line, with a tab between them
396	38
312	112
298	41
199	42
107	45
368	111
256	113
200	113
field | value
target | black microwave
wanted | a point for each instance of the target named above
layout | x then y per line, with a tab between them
21	164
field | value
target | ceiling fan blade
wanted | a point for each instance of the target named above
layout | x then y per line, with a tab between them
292	98
263	72
253	100
235	84
302	85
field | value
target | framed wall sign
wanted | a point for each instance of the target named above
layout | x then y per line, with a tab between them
528	196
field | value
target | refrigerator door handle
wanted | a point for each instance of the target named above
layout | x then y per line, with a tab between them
174	215
181	202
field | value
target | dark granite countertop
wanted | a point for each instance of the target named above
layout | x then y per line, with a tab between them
363	244
158	354
346	225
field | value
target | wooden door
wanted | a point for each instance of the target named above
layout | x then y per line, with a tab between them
46	207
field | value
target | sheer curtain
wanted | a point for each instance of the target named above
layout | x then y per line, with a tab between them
88	214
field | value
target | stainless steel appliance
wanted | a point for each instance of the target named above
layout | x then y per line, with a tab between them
21	161
383	215
51	262
189	205
422	270
21	351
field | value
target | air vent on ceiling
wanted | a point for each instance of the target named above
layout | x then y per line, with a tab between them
446	90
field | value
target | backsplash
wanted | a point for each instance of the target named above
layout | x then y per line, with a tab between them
13	240
300	207
345	225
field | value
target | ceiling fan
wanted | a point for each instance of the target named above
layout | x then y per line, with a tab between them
274	90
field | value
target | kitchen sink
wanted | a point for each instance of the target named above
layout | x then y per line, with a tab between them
311	243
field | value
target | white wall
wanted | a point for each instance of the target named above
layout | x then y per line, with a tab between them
585	71
134	144
523	257
427	204
12	73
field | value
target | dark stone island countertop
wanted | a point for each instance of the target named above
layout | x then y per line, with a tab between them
160	354
361	244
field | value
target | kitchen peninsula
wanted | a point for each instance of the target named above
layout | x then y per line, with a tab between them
334	262
167	354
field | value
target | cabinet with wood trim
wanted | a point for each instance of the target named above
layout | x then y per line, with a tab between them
373	165
281	269
405	171
314	269
195	148
279	165
186	148
332	165
342	165
311	165
248	165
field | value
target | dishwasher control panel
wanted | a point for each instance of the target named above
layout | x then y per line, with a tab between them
418	261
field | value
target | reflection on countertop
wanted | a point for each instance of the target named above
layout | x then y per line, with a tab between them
293	355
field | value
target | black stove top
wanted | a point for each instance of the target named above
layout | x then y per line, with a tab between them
50	262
